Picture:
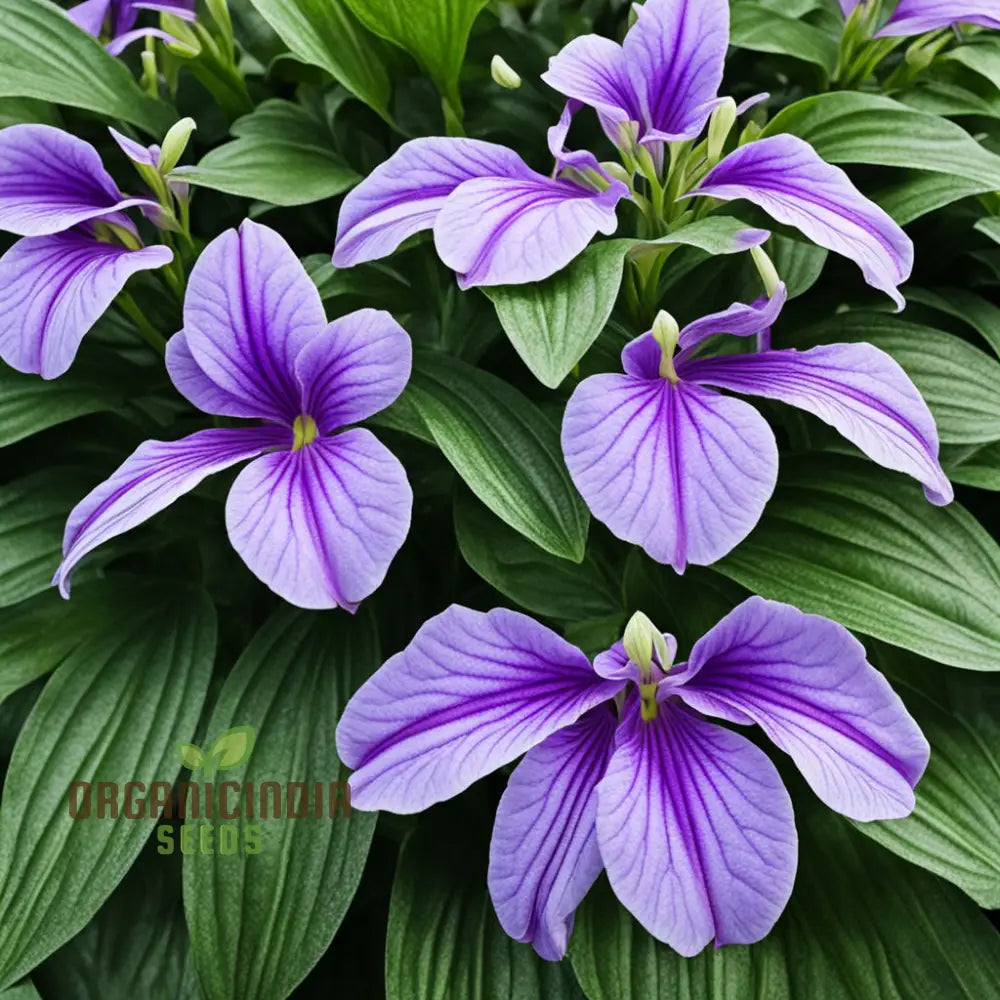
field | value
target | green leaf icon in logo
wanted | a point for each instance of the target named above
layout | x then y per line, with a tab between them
191	756
232	748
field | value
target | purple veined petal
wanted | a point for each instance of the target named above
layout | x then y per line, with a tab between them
696	830
681	471
856	388
138	153
90	15
786	177
675	54
357	366
615	664
249	310
470	693
403	196
543	854
52	291
510	231
579	159
184	9
120	43
155	475
321	525
196	387
51	181
806	682
914	17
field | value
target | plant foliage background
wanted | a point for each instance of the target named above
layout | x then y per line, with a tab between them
170	639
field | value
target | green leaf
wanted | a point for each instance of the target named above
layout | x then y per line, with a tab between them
233	747
849	127
981	314
505	449
989	226
759	29
526	574
434	32
860	924
45	56
112	712
444	940
843	538
259	921
960	383
953	830
923	192
24	990
981	468
553	323
279	156
325	33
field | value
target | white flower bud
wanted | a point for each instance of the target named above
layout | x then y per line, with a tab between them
174	144
503	74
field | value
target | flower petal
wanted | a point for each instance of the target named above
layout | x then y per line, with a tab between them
52	291
806	682
249	310
149	480
914	17
147	156
357	366
786	177
119	44
614	663
321	525
184	9
50	181
675	53
404	195
856	388
695	830
470	693
543	855
679	470
509	231
89	16
196	387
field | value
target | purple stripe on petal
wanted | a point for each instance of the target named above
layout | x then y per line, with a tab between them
914	17
695	830
136	151
470	693
786	177
321	525
500	231
52	291
679	470
856	388
249	310
357	366
806	682
196	387
543	855
50	181
403	196
155	475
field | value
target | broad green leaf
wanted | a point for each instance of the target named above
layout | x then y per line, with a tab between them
955	827
325	33
981	468
843	538
444	940
279	156
434	32
259	921
980	54
112	712
960	383
989	226
849	127
981	314
505	449
24	990
861	924
528	575
45	56
760	29
922	192
552	323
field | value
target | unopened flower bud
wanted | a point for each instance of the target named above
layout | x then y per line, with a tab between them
174	144
666	333
628	136
766	269
720	124
503	74
616	172
638	641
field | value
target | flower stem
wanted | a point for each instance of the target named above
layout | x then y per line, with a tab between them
146	330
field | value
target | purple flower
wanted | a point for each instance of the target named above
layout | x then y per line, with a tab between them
79	247
914	17
321	512
622	769
672	465
116	19
495	220
665	78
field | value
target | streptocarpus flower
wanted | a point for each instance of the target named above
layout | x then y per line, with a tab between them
79	246
623	769
914	17
495	220
664	78
670	464
116	19
320	512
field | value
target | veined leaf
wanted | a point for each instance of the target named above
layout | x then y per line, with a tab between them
760	29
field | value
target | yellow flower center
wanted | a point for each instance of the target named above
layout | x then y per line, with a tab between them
305	432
